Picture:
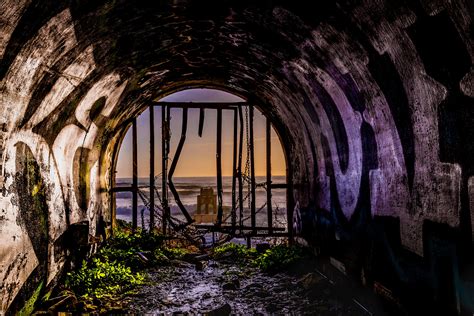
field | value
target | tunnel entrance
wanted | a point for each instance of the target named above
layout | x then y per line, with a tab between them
243	195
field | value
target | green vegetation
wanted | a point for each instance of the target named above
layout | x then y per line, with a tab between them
30	304
99	279
273	259
234	251
132	250
175	253
279	257
115	271
107	280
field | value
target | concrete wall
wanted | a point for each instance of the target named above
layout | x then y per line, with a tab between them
374	100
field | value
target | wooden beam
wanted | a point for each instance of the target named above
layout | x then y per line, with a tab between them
239	167
174	163
198	105
234	174
269	174
152	168
253	218
201	121
219	166
122	189
213	227
164	165
289	201
279	185
134	175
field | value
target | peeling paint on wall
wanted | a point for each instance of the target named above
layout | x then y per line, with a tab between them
376	130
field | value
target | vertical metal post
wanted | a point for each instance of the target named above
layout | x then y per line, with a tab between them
152	168
219	165
252	172
174	163
239	168
234	172
164	165
289	199
201	121
269	175
135	175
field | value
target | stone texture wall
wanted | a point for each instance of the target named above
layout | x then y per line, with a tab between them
373	99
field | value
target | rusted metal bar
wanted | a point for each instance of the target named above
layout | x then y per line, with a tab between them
201	121
239	167
152	168
134	175
122	189
269	174
289	201
253	218
164	165
219	166
198	105
270	235
229	227
234	174
174	164
279	186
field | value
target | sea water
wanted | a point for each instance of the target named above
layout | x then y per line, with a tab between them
189	188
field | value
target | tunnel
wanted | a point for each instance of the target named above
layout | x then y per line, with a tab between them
373	101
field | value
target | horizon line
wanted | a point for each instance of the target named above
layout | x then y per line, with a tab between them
212	176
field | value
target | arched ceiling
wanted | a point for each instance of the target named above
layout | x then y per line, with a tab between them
374	99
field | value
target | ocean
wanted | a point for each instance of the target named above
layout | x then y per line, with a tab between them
189	188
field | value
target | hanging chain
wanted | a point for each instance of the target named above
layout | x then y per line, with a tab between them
247	162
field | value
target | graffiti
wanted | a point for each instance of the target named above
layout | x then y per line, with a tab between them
471	202
377	117
413	193
18	87
297	224
54	165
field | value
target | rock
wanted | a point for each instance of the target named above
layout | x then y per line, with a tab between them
261	293
223	310
180	263
200	265
271	308
202	257
190	256
310	281
254	286
229	286
206	296
142	257
194	257
236	282
167	302
262	247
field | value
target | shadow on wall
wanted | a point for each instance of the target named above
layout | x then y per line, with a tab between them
376	96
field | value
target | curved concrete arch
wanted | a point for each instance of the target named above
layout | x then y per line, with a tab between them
375	112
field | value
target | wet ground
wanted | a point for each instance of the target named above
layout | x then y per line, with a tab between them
223	288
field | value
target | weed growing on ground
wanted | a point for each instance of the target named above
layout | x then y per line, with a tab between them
279	257
274	259
115	271
97	279
235	251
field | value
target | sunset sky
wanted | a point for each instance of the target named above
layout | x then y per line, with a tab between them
198	155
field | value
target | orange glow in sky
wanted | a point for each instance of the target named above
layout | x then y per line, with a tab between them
198	155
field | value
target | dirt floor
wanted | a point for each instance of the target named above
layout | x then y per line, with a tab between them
227	287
